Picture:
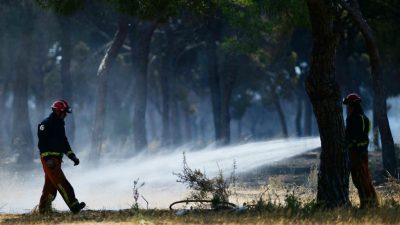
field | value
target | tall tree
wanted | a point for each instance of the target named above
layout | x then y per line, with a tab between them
380	106
102	76
323	91
213	37
140	39
167	68
22	140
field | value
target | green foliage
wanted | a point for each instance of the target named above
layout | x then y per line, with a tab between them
311	207
256	22
62	7
156	10
292	203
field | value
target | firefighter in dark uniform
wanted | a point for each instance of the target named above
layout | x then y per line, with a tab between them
53	144
357	129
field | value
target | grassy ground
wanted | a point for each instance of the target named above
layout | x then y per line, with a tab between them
340	216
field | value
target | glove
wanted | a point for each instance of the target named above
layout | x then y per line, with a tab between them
75	160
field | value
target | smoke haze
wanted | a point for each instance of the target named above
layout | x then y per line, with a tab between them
110	185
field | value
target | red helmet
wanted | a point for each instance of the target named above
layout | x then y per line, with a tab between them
61	105
352	99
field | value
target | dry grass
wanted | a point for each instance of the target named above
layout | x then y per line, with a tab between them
276	193
340	216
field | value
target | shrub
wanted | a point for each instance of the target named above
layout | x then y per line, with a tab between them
217	189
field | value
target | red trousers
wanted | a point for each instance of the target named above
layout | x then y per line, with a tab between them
55	181
362	179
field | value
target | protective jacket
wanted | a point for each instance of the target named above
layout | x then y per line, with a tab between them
52	139
357	128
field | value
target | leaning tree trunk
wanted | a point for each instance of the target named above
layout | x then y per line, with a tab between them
333	177
140	39
380	107
281	115
101	92
66	91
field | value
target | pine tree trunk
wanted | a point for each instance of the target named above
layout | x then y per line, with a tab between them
333	177
227	89
214	80
140	39
166	93
22	139
379	102
299	114
66	81
282	119
101	92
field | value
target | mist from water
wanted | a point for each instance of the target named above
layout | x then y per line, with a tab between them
110	185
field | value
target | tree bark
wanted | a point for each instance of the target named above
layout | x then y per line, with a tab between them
66	81
140	39
101	92
379	102
282	119
323	91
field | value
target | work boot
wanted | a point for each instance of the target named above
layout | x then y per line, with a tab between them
45	206
78	207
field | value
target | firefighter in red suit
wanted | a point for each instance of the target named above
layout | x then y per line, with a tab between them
53	144
357	129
